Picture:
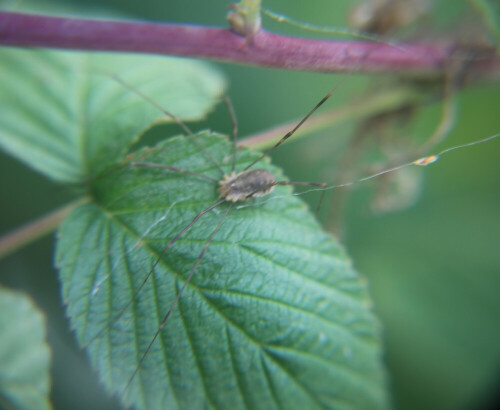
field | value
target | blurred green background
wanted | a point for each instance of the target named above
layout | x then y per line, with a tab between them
433	268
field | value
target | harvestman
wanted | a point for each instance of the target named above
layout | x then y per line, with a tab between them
235	187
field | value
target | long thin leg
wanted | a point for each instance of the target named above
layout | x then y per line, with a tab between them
170	115
301	183
176	238
171	168
424	161
301	122
234	121
321	184
174	303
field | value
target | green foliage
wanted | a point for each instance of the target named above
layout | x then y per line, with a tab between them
274	317
433	268
65	117
24	354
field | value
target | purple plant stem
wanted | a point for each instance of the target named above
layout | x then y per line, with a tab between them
263	49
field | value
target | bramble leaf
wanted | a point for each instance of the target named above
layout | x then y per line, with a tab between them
64	116
274	317
24	354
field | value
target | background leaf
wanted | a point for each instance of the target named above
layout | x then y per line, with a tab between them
24	354
275	316
76	120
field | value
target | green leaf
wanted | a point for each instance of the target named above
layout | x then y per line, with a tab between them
24	354
63	116
274	317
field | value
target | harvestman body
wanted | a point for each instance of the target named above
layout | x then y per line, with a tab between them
247	185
